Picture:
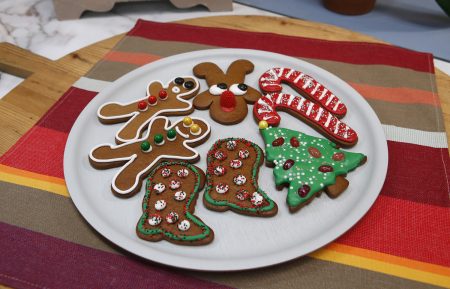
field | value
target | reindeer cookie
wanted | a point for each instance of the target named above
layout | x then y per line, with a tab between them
228	95
161	142
232	179
168	100
169	214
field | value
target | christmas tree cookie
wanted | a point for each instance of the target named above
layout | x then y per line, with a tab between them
232	179
169	204
307	165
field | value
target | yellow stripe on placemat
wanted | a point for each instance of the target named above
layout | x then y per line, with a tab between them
33	180
334	252
385	263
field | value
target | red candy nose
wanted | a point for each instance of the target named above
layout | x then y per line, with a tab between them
227	101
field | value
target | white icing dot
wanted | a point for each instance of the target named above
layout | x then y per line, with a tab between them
184	225
160	205
180	196
154	220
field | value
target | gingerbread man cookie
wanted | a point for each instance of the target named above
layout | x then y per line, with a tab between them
307	165
232	179
169	99
322	110
161	142
168	209
228	95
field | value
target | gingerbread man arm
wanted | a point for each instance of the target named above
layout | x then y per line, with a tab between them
113	112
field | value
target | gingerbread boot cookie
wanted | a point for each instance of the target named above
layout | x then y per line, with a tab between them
228	95
167	100
307	165
232	179
161	142
169	204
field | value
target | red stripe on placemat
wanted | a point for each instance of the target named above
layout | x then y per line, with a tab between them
32	260
131	57
403	228
418	173
343	51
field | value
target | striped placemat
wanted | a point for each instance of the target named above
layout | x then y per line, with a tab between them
403	241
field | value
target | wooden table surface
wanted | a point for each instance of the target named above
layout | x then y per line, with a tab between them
47	80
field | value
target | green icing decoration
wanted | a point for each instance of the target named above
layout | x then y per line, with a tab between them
145	146
210	185
159	138
308	166
206	231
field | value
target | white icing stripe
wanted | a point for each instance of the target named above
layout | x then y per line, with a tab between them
327	123
330	98
91	84
289	73
298	77
336	105
336	128
308	111
315	88
306	84
280	72
300	103
319	114
414	136
280	96
323	93
346	131
291	98
156	160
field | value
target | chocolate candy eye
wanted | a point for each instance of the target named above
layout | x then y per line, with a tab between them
238	89
188	84
179	80
222	85
243	86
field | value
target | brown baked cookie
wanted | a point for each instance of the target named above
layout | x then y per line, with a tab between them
232	179
161	142
169	99
228	95
168	207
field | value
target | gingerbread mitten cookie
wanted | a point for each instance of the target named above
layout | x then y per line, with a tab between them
169	204
232	179
228	95
169	99
307	165
321	108
161	142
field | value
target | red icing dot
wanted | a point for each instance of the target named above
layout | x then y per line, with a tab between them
162	94
338	156
315	153
142	105
288	164
152	99
278	142
325	169
294	142
303	191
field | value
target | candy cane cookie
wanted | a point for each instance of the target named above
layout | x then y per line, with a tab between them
270	81
308	111
169	214
162	142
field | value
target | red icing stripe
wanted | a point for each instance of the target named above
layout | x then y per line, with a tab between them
403	228
48	262
343	51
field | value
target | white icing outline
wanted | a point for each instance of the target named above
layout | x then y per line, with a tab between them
136	113
131	158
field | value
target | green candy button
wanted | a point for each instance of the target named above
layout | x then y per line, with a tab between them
171	134
145	146
159	138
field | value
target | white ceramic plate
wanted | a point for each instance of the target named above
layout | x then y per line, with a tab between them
241	242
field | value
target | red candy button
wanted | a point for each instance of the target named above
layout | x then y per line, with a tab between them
338	156
294	142
325	169
142	105
152	100
162	94
315	153
288	164
303	191
278	142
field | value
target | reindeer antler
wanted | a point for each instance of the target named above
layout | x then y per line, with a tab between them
209	71
238	69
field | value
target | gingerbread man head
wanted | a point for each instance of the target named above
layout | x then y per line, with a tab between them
228	95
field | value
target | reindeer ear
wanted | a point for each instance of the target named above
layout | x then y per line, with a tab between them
154	87
209	71
238	69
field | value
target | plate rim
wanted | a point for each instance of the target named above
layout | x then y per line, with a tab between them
225	265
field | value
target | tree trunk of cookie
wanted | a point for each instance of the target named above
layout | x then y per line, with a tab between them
227	101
